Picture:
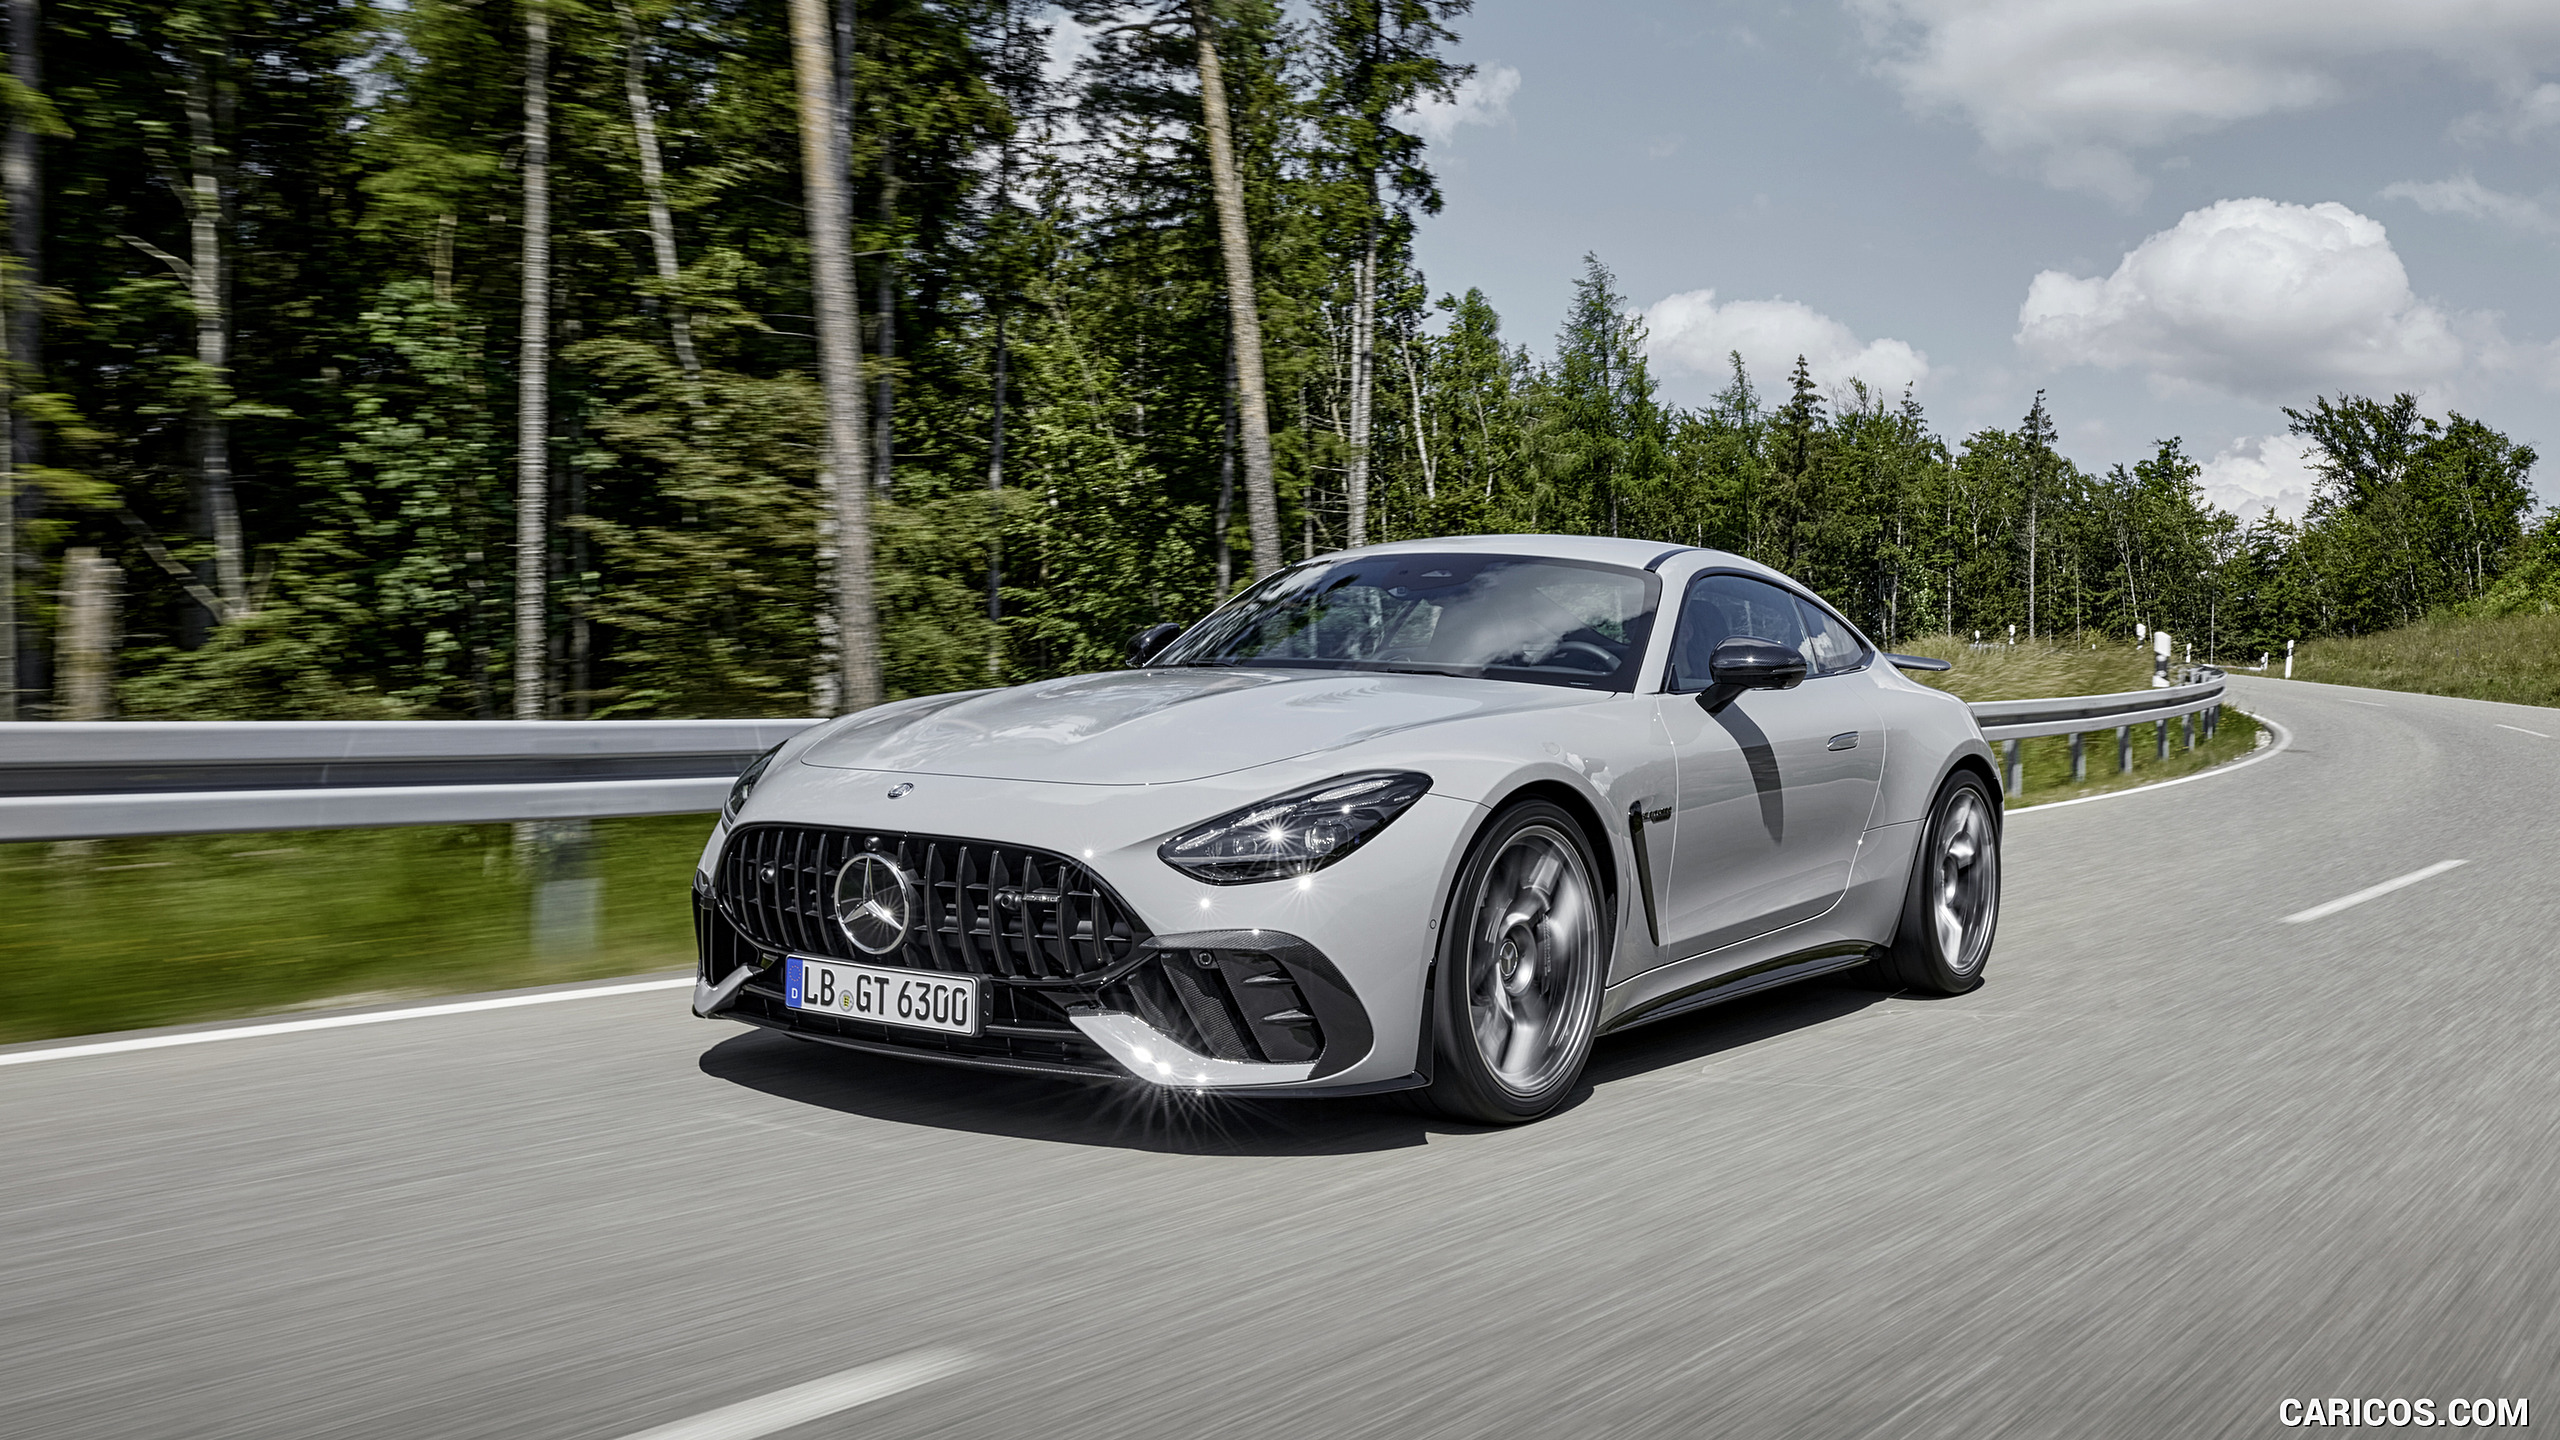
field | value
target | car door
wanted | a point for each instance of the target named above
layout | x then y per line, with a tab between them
1774	790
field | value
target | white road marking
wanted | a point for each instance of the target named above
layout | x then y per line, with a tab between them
2522	731
2369	892
816	1400
2370	704
334	1022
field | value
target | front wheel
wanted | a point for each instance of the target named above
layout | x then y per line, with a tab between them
1523	952
1953	905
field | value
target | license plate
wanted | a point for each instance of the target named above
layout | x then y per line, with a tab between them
915	999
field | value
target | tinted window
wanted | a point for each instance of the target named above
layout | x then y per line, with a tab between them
1720	607
1500	617
1830	645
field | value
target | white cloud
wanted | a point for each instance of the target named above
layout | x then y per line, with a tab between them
2464	195
1483	98
1691	333
2528	114
2076	87
2254	474
2253	298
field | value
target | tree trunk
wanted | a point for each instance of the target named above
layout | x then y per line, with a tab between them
2031	569
207	294
533	366
1364	385
995	510
653	186
1002	304
90	584
1421	437
1227	478
845	532
1262	501
22	330
884	427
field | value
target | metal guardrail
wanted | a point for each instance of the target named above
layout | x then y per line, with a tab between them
85	781
2006	722
82	781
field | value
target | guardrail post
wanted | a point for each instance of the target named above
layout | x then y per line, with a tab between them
2162	727
2017	770
559	858
2187	728
2079	759
2124	749
2212	714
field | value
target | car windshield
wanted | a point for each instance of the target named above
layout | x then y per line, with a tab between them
1499	617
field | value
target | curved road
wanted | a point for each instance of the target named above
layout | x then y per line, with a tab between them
2181	1159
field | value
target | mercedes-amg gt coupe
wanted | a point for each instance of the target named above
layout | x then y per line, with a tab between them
1429	816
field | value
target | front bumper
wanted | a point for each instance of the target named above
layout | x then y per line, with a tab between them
1206	1010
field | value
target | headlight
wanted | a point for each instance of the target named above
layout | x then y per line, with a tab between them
1294	834
746	783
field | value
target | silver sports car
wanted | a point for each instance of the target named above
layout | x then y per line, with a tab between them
1427	816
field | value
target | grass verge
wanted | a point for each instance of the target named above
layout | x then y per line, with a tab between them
120	934
2037	671
2510	658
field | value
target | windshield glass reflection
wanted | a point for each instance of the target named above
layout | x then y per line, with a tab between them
1498	617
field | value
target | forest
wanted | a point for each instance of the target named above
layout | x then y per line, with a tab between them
596	358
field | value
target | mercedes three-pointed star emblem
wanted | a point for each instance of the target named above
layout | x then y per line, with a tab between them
875	901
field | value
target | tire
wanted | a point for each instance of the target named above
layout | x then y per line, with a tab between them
1524	952
1952	908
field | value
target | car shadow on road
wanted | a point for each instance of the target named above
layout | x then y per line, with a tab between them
1130	1117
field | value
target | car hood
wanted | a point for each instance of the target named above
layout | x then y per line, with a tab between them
1155	727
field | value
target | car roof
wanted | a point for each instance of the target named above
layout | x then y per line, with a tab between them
1603	549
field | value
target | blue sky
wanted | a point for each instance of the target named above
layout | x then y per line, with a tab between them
2176	216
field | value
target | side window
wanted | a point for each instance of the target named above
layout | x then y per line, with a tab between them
1719	607
1831	646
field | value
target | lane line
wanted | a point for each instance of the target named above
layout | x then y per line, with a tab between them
2369	704
334	1022
2521	730
814	1401
2370	892
2283	738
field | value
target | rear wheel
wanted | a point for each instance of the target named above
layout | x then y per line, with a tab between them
1953	906
1523	951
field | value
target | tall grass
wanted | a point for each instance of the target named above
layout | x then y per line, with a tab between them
115	934
2031	670
2513	658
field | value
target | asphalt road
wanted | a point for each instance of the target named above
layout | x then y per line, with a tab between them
2180	1159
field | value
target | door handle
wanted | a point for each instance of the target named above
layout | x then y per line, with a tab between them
1848	741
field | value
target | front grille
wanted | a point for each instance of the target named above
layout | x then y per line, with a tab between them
1002	911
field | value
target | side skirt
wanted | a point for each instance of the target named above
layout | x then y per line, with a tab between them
1734	984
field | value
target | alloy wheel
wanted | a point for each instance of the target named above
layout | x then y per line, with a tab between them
1964	880
1533	960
